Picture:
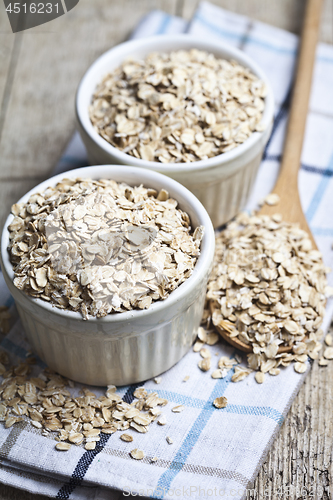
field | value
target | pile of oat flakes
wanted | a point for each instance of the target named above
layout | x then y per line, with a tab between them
45	400
179	107
268	288
98	246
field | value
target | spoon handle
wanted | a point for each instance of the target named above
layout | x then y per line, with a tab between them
301	94
287	184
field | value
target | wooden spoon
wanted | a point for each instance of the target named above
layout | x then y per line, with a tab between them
286	187
236	342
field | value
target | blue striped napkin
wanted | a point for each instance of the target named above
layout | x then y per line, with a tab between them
215	453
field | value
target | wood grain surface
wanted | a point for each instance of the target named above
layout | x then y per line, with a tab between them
39	73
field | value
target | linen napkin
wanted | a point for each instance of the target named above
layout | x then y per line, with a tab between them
215	453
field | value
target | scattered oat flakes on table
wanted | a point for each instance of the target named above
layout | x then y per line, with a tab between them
198	345
126	437
202	334
217	373
212	338
328	353
75	437
272	199
162	420
329	340
205	353
260	377
300	367
63	446
178	409
221	402
137	454
10	421
90	445
46	402
36	424
205	364
240	373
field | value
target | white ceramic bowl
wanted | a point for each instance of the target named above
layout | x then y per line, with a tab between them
121	348
222	183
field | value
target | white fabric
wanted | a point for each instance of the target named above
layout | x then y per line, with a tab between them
216	453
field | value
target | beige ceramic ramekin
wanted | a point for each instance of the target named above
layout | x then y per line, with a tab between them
222	183
127	347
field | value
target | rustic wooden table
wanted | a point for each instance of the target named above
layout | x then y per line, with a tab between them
39	72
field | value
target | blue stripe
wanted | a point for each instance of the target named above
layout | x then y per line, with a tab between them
316	170
272	47
181	399
192	437
9	302
322	231
307	168
75	160
230	34
217	29
278	119
20	352
320	191
260	411
256	41
164	24
324	59
264	411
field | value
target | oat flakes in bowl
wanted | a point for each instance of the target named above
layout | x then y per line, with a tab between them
195	120
178	107
99	247
124	347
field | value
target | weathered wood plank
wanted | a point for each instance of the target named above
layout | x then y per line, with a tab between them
301	456
39	118
9	493
6	47
53	57
9	52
